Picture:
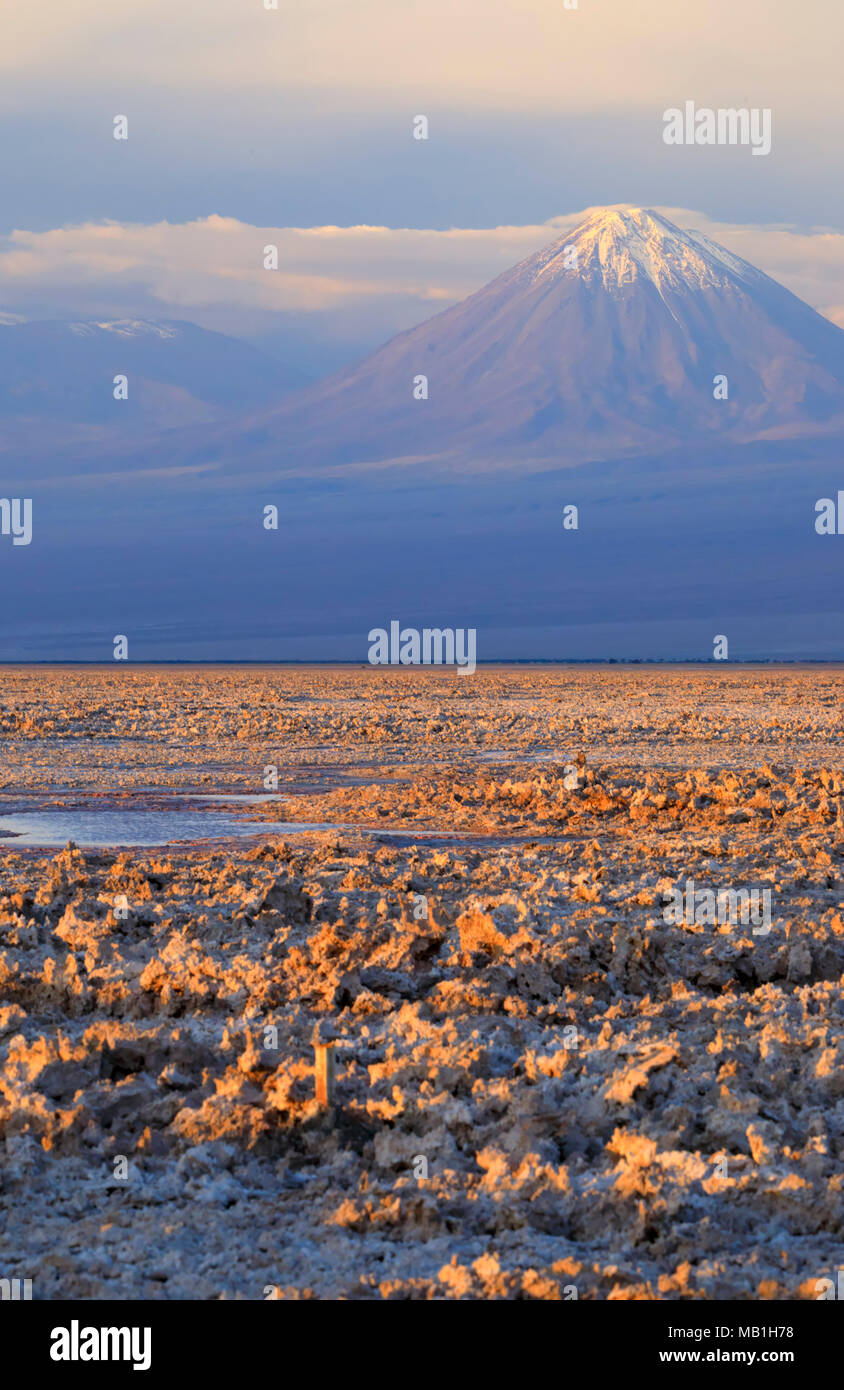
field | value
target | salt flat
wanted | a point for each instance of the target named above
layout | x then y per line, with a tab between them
546	1086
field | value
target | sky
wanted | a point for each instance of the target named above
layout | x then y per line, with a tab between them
294	126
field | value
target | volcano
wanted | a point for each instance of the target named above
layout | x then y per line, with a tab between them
627	333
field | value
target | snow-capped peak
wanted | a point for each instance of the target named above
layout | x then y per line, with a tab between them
617	245
125	328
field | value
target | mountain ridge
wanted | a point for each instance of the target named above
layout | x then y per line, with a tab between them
60	373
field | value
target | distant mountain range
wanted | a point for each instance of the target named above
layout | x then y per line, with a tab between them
687	405
57	378
625	335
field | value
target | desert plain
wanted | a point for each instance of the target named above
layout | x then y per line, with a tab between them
545	1087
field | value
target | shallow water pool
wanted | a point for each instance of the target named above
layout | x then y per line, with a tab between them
98	829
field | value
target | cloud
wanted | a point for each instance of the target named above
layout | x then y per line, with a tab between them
360	282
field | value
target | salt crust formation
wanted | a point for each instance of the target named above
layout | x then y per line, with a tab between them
544	1089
